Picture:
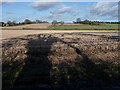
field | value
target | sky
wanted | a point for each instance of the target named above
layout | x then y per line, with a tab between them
60	11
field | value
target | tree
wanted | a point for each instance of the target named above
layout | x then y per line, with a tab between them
54	22
78	20
2	24
74	22
9	23
61	23
38	21
86	21
27	21
14	23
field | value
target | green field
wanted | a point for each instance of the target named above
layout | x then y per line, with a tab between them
106	26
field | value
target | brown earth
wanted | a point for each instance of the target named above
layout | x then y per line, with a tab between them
42	25
15	33
62	60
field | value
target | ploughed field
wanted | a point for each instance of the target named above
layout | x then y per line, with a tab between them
61	60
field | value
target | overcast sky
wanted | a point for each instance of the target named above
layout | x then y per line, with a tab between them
60	11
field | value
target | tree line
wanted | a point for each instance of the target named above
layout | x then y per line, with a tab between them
26	21
55	22
78	21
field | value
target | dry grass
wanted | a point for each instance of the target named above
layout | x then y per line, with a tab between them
16	33
69	60
42	25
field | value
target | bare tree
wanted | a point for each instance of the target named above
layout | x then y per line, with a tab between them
38	21
14	23
54	22
62	23
9	23
78	20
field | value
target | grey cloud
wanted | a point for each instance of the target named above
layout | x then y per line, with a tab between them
41	6
103	10
9	12
65	9
62	10
59	11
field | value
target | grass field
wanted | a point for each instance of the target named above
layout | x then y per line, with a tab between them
106	26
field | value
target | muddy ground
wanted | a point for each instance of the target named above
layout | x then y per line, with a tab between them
77	60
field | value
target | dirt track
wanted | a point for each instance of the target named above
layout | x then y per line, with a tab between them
16	33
